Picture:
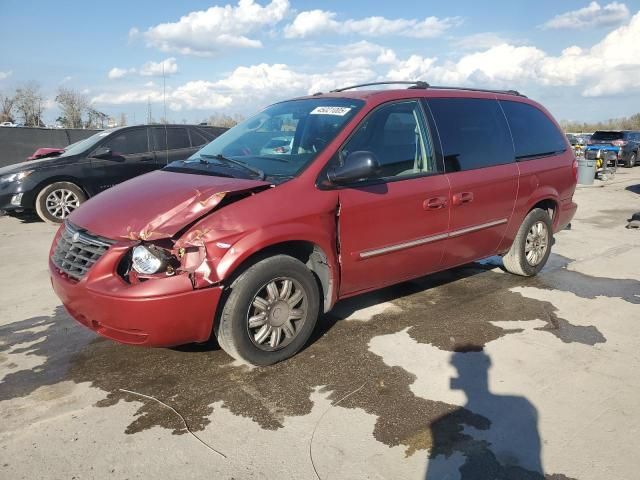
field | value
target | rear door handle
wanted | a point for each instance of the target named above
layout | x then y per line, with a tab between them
435	203
462	198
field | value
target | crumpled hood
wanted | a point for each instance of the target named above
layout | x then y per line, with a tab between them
156	205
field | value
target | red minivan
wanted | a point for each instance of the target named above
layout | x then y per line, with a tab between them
378	187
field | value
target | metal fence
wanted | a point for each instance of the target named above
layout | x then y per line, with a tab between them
17	143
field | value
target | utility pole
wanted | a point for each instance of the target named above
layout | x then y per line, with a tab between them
148	110
164	94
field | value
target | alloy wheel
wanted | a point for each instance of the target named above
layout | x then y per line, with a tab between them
276	314
537	243
60	203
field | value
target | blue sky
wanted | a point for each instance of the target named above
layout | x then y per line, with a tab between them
581	59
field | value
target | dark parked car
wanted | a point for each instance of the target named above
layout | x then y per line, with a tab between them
378	187
627	143
55	187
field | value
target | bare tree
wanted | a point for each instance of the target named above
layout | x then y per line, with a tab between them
223	120
96	119
28	104
73	105
7	104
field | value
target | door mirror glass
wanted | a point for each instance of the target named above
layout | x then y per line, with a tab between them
358	166
102	152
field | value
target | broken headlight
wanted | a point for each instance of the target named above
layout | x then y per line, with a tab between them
147	261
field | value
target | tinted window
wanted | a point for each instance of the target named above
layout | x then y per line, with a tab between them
175	138
128	142
396	134
198	138
606	136
473	133
533	133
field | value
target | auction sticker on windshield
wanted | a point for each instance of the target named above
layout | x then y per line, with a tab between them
342	111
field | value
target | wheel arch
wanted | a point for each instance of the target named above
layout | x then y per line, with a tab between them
316	255
55	179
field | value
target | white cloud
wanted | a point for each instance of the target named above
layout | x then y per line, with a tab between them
156	69
207	32
5	75
590	16
116	72
149	69
312	22
611	66
481	41
500	66
315	22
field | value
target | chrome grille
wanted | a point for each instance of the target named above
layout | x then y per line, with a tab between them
77	251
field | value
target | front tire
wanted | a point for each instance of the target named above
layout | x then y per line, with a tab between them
57	201
270	312
631	162
532	246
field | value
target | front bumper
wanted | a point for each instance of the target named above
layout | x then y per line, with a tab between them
156	313
11	201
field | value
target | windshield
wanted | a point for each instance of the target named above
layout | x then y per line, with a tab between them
282	139
84	145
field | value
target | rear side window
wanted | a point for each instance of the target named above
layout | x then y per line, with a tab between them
170	138
473	133
534	135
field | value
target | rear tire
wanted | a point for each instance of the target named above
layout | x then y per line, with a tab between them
270	311
532	246
57	201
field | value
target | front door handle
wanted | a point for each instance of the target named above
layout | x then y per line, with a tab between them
435	203
462	198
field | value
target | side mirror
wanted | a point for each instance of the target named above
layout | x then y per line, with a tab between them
357	166
102	152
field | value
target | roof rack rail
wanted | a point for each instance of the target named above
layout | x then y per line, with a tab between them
416	84
468	89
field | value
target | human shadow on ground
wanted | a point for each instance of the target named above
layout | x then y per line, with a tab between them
498	441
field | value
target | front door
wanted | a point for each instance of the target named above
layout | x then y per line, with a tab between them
130	157
393	227
479	159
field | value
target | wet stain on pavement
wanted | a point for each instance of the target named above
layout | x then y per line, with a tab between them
452	311
610	218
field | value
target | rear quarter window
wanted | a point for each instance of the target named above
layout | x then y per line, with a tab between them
534	134
473	133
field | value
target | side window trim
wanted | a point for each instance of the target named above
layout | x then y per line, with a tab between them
436	147
322	177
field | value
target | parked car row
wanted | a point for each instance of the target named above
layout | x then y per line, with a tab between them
310	201
617	147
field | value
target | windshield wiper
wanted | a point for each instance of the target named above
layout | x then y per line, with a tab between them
243	165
